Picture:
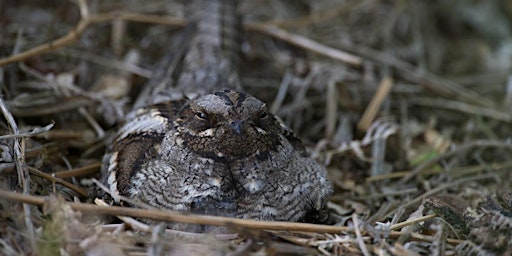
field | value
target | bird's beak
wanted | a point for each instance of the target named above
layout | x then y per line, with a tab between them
237	126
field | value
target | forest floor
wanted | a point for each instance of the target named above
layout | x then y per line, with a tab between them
407	103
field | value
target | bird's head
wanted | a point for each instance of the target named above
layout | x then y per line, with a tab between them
228	124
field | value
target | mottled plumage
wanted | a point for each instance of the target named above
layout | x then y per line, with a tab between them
219	153
222	154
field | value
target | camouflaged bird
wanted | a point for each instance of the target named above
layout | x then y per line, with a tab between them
221	153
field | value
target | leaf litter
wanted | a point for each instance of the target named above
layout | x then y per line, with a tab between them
406	102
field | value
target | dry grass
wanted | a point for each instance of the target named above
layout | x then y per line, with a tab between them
407	103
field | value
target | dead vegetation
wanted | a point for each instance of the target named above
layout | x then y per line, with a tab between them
406	102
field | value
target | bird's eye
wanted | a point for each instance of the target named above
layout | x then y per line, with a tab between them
201	115
263	114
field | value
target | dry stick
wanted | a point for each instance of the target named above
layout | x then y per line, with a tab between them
135	224
441	188
455	172
171	216
314	17
306	43
36	131
55	85
331	109
84	22
80	171
386	194
462	148
373	108
424	238
463	107
408	71
116	36
51	178
108	62
424	78
281	93
63	135
144	18
413	221
65	40
23	175
139	226
359	237
69	103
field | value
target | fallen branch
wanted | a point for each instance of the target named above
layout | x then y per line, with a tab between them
306	43
50	177
83	24
171	216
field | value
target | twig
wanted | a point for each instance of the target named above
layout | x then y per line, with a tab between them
371	111
64	104
441	188
408	71
23	176
135	224
359	237
428	80
463	107
410	222
51	178
171	216
85	22
331	109
424	238
81	171
385	194
108	62
36	131
63	88
89	19
281	94
305	43
458	150
455	172
72	36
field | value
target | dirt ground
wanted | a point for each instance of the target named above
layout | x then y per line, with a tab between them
407	103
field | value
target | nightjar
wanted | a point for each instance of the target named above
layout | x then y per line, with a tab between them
220	153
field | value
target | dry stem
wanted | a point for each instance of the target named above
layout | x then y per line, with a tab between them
170	216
